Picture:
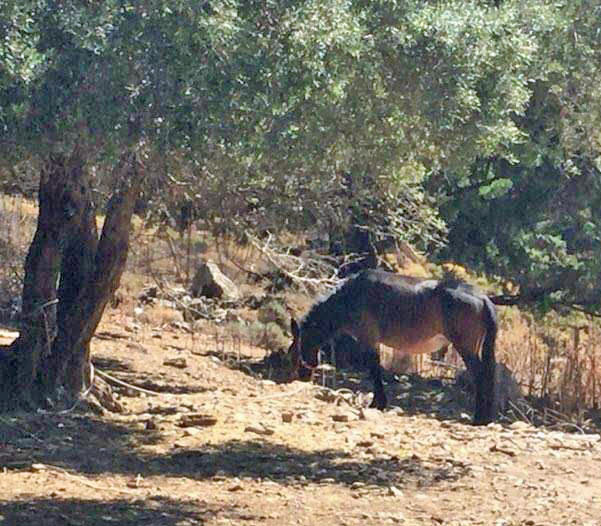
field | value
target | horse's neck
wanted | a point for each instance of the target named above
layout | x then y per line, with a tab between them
318	327
315	336
328	317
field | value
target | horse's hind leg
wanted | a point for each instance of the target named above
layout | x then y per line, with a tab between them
372	361
482	387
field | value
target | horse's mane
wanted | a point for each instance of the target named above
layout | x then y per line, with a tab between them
324	302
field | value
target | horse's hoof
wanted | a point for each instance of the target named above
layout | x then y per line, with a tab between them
379	404
482	421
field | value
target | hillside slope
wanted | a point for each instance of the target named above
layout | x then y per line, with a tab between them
218	445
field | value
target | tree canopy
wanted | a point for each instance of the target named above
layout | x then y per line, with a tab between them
466	127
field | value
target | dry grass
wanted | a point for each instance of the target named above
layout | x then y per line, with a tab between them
556	359
17	225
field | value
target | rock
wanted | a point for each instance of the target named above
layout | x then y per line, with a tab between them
197	419
393	491
180	363
341	417
506	387
365	443
210	282
151	425
287	417
149	294
368	413
236	486
259	430
495	448
520	425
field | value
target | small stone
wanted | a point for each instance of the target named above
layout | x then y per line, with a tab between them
494	426
393	491
287	417
519	425
368	413
180	363
505	450
150	425
138	482
259	430
235	487
382	475
365	443
344	417
197	419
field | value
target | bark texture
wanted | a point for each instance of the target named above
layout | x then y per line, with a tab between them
70	275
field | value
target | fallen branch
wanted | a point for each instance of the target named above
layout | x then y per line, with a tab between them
496	449
56	469
115	381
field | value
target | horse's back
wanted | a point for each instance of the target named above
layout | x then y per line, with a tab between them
417	315
398	311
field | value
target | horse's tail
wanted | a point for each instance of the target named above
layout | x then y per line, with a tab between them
488	404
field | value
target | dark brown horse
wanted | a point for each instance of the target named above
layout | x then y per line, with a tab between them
409	314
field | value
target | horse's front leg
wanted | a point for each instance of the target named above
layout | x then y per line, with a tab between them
372	360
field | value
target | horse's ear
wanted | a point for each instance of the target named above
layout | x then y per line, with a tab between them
294	328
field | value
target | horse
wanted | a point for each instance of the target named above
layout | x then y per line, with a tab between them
412	315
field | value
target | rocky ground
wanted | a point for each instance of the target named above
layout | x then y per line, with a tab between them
212	442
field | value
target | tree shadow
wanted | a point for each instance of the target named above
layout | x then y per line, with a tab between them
414	394
124	512
277	462
111	364
127	374
90	445
166	386
274	366
443	399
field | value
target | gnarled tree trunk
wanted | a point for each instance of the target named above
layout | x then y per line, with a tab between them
70	275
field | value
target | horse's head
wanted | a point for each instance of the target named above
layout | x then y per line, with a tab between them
303	361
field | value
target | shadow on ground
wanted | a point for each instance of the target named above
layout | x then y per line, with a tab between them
441	399
73	512
125	373
86	444
445	400
264	460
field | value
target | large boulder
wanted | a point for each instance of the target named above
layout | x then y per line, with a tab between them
507	388
210	282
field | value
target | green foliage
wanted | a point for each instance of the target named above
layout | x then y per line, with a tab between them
533	217
400	118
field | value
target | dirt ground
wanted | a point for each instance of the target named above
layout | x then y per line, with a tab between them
213	443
